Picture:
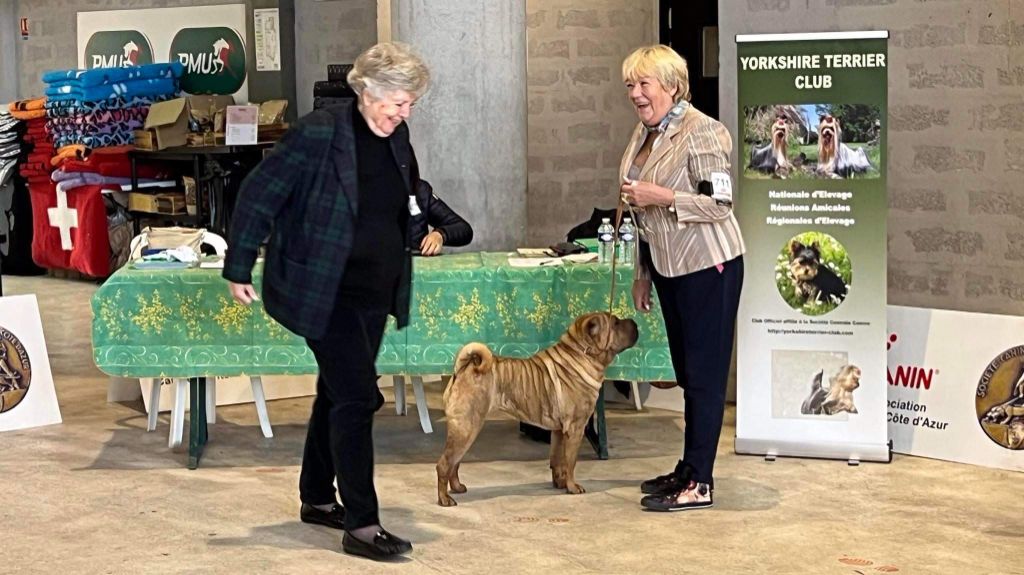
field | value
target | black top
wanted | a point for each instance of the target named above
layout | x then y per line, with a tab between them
378	247
455	230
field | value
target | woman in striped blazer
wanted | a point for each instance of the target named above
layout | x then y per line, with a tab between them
676	176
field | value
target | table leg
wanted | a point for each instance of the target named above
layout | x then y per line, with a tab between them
600	442
197	434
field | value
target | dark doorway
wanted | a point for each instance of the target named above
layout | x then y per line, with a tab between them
690	27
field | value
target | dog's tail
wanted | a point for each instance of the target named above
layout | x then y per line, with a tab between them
475	357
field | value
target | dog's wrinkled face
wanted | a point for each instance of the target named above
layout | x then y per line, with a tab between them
848	378
804	260
607	333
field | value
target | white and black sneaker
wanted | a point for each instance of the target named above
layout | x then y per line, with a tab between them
694	496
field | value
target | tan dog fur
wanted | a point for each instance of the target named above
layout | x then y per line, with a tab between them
840	393
554	389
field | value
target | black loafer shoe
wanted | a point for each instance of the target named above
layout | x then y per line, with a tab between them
335	518
384	546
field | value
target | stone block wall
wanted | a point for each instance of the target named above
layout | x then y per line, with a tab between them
579	116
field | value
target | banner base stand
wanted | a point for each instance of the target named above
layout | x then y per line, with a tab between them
851	452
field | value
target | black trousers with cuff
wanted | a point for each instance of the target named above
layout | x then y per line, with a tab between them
339	442
700	320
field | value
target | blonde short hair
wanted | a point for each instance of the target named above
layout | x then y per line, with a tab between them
387	67
662	63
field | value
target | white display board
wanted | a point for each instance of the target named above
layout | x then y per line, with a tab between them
27	395
956	386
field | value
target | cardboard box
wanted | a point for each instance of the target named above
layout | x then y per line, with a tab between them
207	112
167	124
145	140
165	203
272	112
272	132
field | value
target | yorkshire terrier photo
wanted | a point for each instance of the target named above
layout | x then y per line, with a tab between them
772	158
836	159
837	397
812	280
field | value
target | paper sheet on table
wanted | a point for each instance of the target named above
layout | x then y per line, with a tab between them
581	258
533	262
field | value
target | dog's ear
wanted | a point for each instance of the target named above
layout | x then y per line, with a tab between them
816	247
596	325
794	247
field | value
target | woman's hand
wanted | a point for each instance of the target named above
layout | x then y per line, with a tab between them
642	295
431	244
244	294
643	194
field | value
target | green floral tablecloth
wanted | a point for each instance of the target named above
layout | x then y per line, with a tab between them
183	323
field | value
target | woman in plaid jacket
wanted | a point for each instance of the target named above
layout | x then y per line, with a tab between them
335	198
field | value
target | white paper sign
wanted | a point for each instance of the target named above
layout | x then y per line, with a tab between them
242	125
266	24
956	386
27	396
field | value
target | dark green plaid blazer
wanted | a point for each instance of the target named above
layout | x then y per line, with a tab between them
304	197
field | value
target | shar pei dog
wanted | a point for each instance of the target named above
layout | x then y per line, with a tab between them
555	389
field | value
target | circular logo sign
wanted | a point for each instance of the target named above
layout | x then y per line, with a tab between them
117	49
214	60
15	371
999	401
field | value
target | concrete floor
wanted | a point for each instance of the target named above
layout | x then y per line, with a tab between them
98	494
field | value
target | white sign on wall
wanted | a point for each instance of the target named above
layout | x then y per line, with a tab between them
27	396
266	23
956	386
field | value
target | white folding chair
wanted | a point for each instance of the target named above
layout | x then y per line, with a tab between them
177	429
421	400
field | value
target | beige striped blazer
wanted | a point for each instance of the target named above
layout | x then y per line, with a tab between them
696	232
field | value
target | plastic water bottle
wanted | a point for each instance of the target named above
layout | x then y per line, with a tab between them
606	241
627	241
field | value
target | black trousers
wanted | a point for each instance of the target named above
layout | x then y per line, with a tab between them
700	320
339	442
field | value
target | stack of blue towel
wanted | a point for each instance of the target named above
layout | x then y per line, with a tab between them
101	107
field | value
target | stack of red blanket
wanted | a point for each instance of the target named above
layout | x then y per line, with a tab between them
47	249
99	240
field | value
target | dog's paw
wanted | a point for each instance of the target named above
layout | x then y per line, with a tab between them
574	489
446	501
558	483
460	488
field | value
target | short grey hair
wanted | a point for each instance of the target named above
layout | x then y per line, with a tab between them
387	67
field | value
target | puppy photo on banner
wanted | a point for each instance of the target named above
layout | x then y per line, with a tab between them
813	273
